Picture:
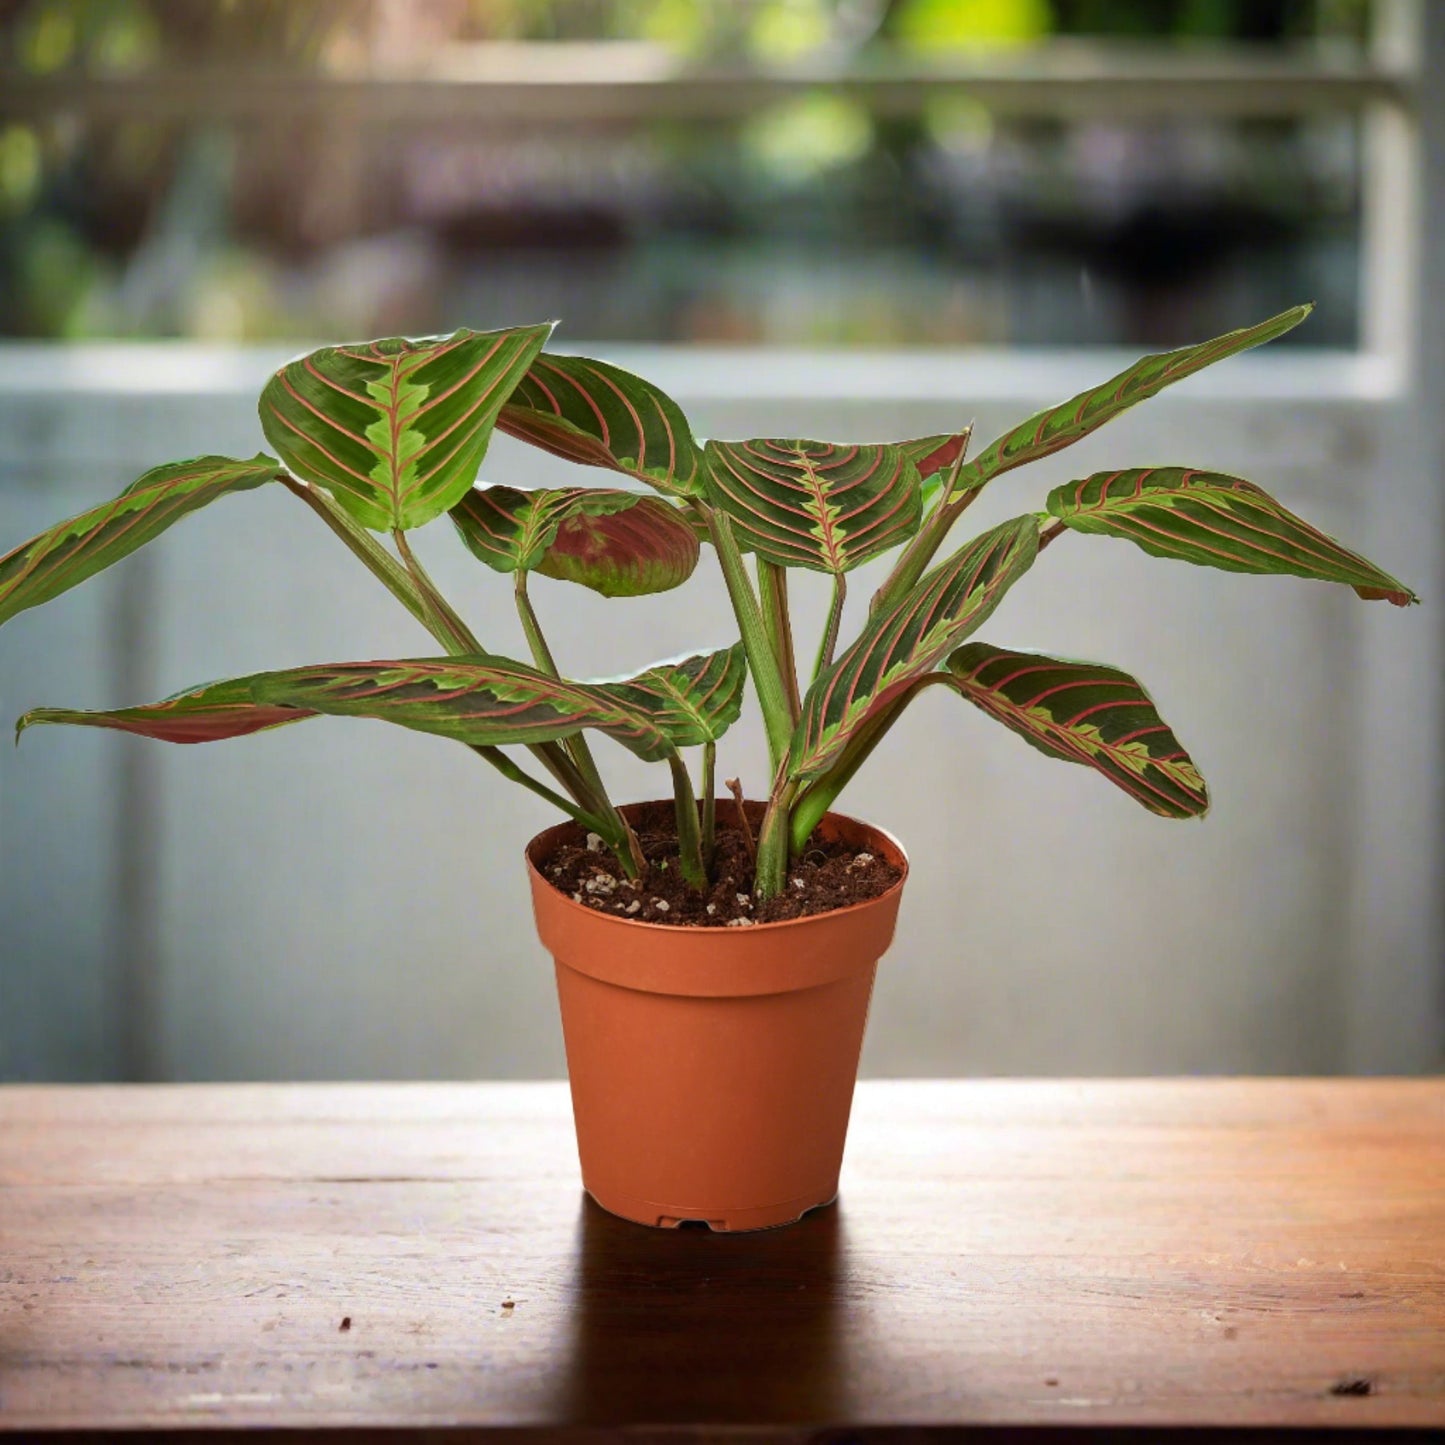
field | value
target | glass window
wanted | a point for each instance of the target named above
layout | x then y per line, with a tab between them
825	208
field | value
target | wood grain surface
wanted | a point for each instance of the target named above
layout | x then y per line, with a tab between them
1198	1252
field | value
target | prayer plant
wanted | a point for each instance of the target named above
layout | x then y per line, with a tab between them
379	439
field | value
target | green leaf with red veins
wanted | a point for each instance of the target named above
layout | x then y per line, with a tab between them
510	529
1061	426
396	429
1084	712
825	506
210	713
623	549
1215	520
482	701
908	640
597	414
72	551
618	543
694	700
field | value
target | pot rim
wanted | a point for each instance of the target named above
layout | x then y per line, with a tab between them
691	930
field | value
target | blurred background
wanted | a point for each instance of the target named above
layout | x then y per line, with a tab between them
851	219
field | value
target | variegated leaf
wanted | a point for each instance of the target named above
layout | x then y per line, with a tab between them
934	454
74	550
909	640
695	700
597	414
1084	712
1215	521
206	714
476	700
1060	426
623	551
820	505
396	429
617	543
510	529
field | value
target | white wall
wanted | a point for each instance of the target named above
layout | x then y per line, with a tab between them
343	899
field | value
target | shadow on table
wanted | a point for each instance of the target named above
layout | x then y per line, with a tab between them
687	1325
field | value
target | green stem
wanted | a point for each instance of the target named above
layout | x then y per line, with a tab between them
456	639
762	663
822	793
773	592
442	621
774	842
576	745
916	556
573	767
913	561
709	803
689	839
510	770
376	558
835	621
541	653
446	623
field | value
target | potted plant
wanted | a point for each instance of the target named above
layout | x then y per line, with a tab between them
714	960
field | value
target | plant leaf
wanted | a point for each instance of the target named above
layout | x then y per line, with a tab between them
820	505
74	550
623	550
396	429
479	700
932	454
617	543
1215	521
909	640
1060	426
1084	712
510	529
211	712
695	700
597	414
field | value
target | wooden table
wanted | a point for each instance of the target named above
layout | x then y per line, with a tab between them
1201	1252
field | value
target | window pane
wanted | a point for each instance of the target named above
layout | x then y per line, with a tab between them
818	218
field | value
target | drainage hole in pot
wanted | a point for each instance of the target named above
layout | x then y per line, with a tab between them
668	1222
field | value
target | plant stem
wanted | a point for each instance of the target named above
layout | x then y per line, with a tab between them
363	545
822	793
510	770
541	653
735	787
576	745
689	839
458	641
915	557
835	620
774	841
773	591
762	663
442	621
555	758
445	619
709	803
570	761
1053	527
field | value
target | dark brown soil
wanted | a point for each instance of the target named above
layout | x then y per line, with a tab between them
829	875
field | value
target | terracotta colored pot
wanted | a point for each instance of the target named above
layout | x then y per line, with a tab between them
712	1069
